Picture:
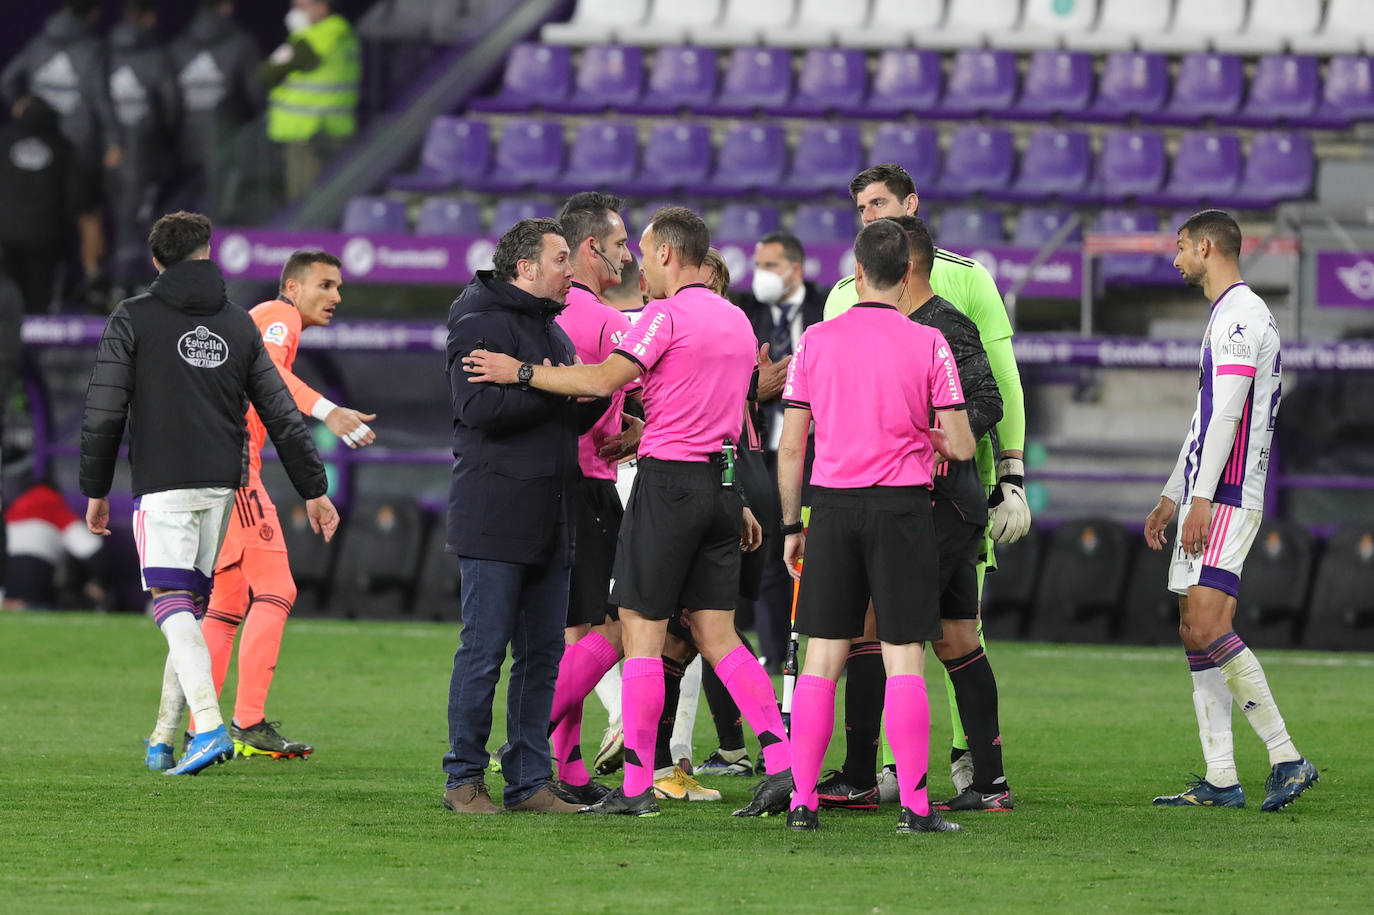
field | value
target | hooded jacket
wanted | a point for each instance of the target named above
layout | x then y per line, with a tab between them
514	449
37	182
64	65
216	64
181	363
144	96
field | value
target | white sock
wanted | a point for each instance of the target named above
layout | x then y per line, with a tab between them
188	654
1247	682
1212	703
608	691
171	708
689	697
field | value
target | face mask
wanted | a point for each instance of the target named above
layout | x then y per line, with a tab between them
767	287
297	20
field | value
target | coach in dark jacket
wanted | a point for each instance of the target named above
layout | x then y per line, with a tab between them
187	424
514	465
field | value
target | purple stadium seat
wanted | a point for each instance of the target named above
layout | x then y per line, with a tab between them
1348	95
1207	85
1056	163
1206	169
1132	163
916	149
1038	225
826	157
755	78
747	222
530	152
604	154
681	77
375	215
751	156
608	76
969	227
1056	82
675	154
1280	167
1118	268
446	216
510	210
907	79
1133	83
981	160
455	151
818	223
980	80
536	75
1284	88
831	79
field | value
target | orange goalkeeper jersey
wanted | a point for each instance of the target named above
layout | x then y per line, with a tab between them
280	325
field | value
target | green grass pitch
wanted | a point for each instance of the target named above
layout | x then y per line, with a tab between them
1091	734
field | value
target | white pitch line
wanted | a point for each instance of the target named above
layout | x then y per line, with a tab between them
1270	657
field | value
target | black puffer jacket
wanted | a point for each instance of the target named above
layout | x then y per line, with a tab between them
181	363
514	450
960	483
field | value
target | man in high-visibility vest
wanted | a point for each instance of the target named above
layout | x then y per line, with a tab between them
312	106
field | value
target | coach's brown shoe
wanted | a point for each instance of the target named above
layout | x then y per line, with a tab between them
470	798
544	801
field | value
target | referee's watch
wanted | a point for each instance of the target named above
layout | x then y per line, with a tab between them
796	527
524	374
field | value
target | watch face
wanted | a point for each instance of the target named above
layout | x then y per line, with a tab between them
525	373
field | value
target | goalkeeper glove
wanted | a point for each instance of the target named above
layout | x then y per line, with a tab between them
1010	514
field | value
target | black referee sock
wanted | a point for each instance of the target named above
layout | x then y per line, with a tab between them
672	689
975	692
724	713
864	686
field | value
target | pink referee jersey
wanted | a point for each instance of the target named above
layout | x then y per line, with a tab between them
595	329
870	378
697	352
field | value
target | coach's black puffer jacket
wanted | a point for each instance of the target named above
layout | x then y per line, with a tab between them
181	363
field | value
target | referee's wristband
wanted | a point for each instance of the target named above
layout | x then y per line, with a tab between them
796	527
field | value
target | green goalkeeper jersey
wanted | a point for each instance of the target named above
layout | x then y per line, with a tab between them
970	288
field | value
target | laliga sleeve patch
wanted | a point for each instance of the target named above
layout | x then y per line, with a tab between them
276	333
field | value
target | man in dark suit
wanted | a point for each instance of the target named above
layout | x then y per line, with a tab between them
783	304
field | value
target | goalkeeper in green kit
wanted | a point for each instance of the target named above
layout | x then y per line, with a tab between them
888	191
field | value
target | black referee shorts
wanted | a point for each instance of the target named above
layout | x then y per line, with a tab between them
596	521
877	542
961	543
679	542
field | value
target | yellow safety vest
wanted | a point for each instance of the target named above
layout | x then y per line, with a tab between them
325	98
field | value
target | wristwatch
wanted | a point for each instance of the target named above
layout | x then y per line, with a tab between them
524	374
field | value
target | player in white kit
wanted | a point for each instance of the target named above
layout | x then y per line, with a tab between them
1219	482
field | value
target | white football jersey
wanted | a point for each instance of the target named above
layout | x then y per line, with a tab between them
1241	340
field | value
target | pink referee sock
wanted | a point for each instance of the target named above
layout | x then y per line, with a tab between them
908	730
567	748
813	721
752	691
584	664
641	705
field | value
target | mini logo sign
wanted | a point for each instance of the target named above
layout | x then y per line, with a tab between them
1237	333
275	333
1358	279
266	532
235	253
203	348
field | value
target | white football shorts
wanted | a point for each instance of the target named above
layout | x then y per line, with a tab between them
178	534
1231	535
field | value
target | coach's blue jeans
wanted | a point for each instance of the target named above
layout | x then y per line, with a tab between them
526	607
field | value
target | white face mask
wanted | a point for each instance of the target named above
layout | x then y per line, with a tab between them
297	20
767	287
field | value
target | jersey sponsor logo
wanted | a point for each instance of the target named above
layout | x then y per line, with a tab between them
951	373
1237	333
31	154
275	333
203	348
1237	350
616	337
642	346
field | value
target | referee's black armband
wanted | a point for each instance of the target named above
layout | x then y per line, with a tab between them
796	527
